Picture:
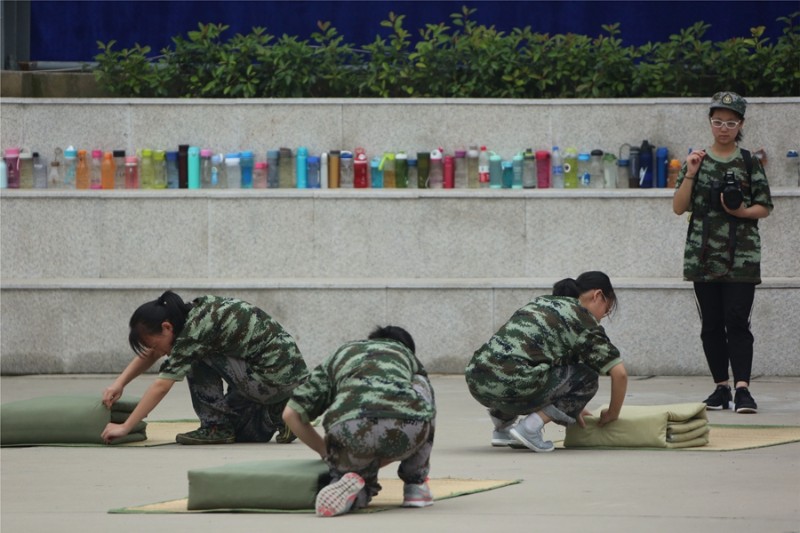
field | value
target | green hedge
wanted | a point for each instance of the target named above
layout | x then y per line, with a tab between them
461	59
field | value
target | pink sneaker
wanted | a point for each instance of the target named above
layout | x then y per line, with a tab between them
337	498
417	495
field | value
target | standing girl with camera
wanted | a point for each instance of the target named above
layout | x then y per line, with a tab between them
726	190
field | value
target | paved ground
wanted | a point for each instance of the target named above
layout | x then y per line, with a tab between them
70	489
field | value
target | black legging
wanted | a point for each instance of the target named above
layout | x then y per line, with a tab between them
725	314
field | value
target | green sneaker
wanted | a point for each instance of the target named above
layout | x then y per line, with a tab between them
207	435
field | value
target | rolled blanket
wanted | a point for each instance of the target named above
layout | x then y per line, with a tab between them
653	426
64	420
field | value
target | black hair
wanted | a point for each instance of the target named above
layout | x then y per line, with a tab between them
740	133
394	333
588	281
147	319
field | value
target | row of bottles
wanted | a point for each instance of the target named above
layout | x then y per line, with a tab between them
190	167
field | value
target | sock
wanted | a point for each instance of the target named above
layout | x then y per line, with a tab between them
532	423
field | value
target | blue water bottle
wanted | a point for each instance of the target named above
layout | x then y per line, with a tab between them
246	165
193	167
646	166
662	161
495	171
376	174
301	161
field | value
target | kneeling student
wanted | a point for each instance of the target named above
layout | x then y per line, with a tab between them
379	408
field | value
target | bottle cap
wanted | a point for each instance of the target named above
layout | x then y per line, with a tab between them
791	153
622	162
436	154
506	164
494	157
69	151
542	154
147	152
273	154
97	154
518	157
119	153
35	155
194	150
313	159
24	154
401	155
108	156
675	164
600	152
302	151
583	156
261	165
232	155
14	152
246	154
461	153
172	156
412	162
205	152
131	160
159	155
346	155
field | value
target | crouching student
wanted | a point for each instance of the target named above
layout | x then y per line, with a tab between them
379	408
544	363
213	341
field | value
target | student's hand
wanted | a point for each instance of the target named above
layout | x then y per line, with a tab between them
113	431
580	420
693	162
112	393
606	417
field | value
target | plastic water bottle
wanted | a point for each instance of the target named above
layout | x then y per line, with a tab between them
334	168
346	170
260	175
159	169
147	175
401	170
205	168
495	171
483	168
233	171
633	181
82	172
273	170
508	173
571	178
376	174
25	170
107	171
193	167
596	180
323	170
70	168
285	169
436	176
301	160
39	171
4	175
246	163
388	166
423	169
218	179
517	167
672	174
173	179
623	174
95	174
131	172
313	172
360	170
529	169
662	162
609	170
55	180
460	169
449	175
119	169
583	174
542	169
557	172
472	167
412	174
792	168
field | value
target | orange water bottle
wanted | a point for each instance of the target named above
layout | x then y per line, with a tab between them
82	171
107	171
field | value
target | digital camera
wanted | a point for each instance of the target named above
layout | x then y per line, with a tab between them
731	190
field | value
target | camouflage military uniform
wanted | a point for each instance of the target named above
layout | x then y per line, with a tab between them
229	340
725	289
379	408
546	357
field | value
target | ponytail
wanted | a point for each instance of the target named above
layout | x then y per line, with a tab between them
567	287
147	319
588	281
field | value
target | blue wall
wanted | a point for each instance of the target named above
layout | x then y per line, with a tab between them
69	31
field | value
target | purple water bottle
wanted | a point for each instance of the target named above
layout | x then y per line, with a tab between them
12	167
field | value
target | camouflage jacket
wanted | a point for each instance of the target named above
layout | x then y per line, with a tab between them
712	261
233	328
549	331
364	379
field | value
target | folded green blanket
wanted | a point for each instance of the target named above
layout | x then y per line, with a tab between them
653	426
64	420
287	485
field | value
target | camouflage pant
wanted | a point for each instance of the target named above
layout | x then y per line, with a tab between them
561	393
252	408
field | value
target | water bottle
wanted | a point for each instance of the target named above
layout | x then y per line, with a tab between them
633	181
25	170
131	172
672	174
147	175
39	171
323	170
260	175
218	179
596	180
173	179
346	170
436	175
646	166
160	169
792	168
107	171
313	172
183	166
360	170
285	169
483	168
412	174
334	168
205	168
472	167
542	169
584	175
557	172
233	171
301	160
82	172
495	171
193	167
55	178
529	169
517	167
119	169
401	170
423	169
460	169
4	175
662	164
571	178
273	170
70	168
507	168
388	168
95	170
609	170
449	175
623	174
376	174
246	163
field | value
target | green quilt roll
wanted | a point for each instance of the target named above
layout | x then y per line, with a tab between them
286	485
648	426
64	420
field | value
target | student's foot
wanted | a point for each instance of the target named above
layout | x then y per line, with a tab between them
719	399
502	437
532	440
743	402
284	435
207	435
417	495
337	498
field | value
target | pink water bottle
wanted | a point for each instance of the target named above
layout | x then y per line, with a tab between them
95	176
131	172
360	174
12	167
542	169
449	172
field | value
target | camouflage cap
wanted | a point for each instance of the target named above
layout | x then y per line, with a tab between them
729	100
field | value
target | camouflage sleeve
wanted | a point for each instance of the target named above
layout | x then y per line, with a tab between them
179	361
597	351
314	396
760	193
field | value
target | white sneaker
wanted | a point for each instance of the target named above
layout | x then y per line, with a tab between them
532	440
502	437
417	495
337	498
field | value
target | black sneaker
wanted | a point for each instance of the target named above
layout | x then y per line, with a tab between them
744	402
719	399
